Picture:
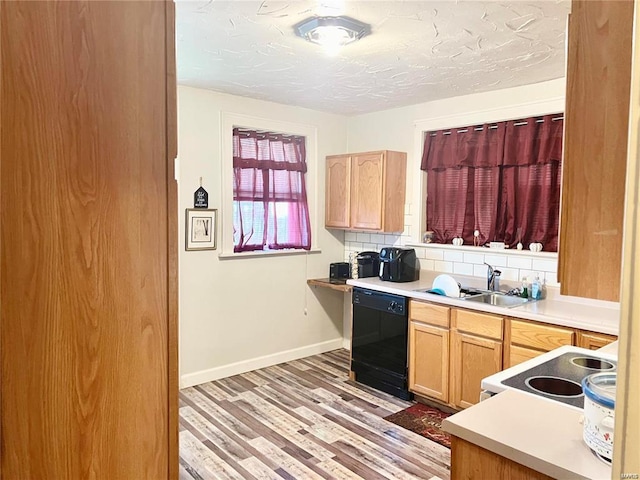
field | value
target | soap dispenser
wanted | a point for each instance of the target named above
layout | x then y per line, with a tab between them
536	289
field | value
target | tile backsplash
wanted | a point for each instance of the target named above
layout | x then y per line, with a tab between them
464	260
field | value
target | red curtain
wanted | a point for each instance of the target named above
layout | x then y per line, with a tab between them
270	210
501	179
529	206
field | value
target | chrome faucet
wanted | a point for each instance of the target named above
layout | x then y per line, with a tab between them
493	278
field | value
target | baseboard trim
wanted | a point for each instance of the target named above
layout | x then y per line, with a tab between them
346	343
211	374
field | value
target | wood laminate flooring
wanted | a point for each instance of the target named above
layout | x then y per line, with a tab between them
300	420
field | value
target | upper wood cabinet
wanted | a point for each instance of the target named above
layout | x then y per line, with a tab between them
338	192
595	148
366	191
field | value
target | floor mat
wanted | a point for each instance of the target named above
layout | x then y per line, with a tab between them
423	420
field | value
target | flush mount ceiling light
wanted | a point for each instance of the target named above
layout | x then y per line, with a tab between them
331	32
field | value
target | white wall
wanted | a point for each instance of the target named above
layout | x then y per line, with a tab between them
241	314
401	129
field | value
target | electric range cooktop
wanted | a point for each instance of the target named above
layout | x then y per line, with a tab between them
555	375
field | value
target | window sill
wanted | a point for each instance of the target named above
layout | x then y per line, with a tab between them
496	251
273	253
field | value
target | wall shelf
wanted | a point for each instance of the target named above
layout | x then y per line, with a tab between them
328	283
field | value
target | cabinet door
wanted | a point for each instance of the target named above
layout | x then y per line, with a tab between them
595	148
472	359
429	361
367	181
594	341
337	194
395	175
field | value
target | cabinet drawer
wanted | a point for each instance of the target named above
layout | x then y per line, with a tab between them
480	324
594	341
429	313
541	337
521	354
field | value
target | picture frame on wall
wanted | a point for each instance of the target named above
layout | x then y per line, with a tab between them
200	229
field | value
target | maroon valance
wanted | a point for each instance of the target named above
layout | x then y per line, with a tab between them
533	141
269	151
529	141
477	146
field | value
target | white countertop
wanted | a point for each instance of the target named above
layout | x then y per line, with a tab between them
541	434
586	314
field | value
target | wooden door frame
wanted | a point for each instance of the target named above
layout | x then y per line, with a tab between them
172	242
626	459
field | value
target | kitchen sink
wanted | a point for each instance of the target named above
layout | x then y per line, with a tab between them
498	299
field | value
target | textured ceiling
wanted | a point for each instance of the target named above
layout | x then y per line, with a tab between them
418	51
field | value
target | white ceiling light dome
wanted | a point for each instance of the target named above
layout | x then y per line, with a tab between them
332	33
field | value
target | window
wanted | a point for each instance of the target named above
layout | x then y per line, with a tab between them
270	210
501	179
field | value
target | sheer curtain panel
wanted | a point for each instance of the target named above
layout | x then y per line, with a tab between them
270	210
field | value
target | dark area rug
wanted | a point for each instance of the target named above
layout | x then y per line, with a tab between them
423	420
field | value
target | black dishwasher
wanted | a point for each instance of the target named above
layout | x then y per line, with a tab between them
379	341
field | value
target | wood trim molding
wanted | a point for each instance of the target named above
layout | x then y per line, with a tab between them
626	455
506	343
172	243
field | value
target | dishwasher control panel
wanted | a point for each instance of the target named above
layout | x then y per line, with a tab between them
385	302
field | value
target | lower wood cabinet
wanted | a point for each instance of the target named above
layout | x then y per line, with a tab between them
429	361
594	341
525	340
429	350
471	461
517	354
472	359
451	350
